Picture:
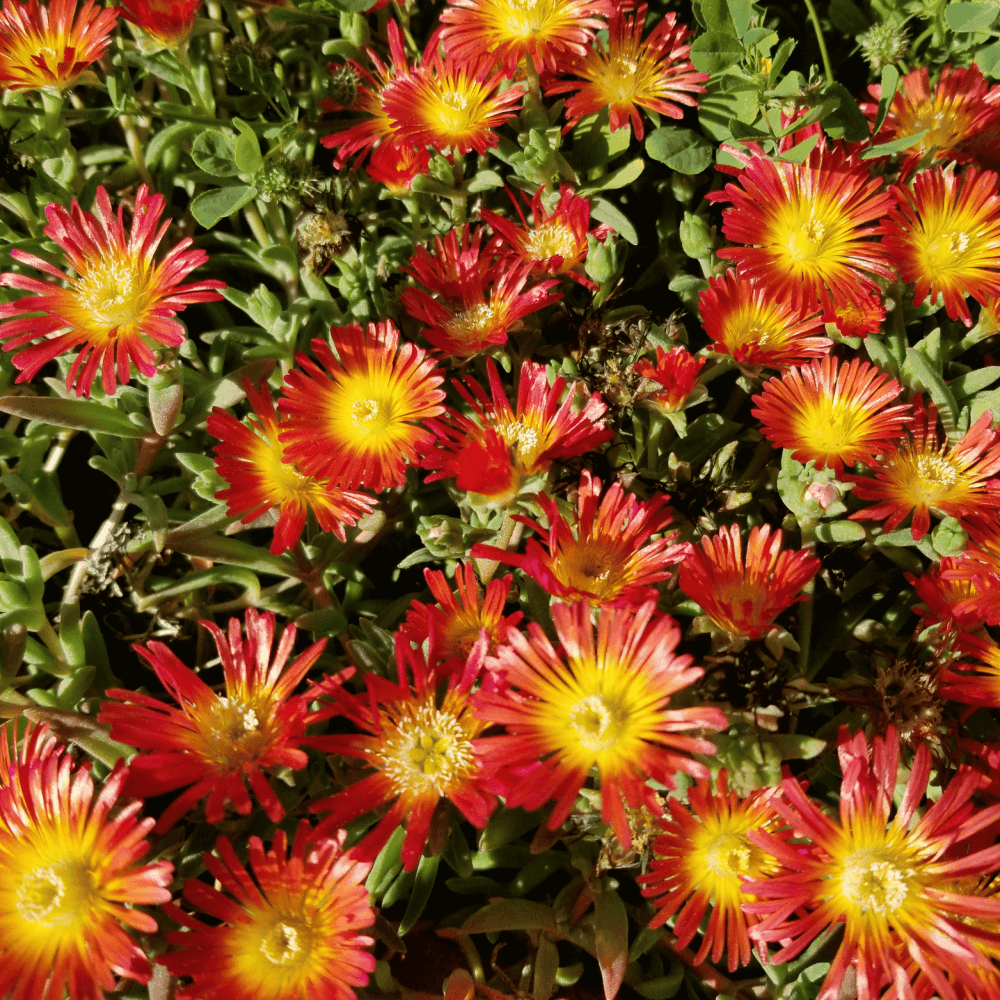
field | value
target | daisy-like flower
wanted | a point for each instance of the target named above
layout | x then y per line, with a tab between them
494	451
168	21
944	236
356	420
858	318
676	373
396	164
832	416
890	882
491	306
976	679
942	594
451	107
599	702
743	597
48	47
960	105
759	329
366	94
252	460
925	473
289	931
119	300
457	258
550	31
556	242
631	73
70	876
452	626
808	227
423	747
701	858
607	556
979	569
214	742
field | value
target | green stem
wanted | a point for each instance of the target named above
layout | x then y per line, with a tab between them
257	227
508	537
827	68
807	526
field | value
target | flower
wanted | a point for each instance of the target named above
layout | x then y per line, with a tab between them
609	559
808	227
450	106
832	416
251	459
287	933
979	569
757	328
600	701
631	73
550	31
46	47
70	876
702	857
357	423
213	742
457	258
974	681
369	99
493	452
491	305
889	882
120	297
944	236
168	21
859	317
743	597
676	372
924	473
396	164
556	242
452	627
422	746
941	593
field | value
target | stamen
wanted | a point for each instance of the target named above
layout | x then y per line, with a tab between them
55	895
551	239
595	724
283	945
875	882
729	855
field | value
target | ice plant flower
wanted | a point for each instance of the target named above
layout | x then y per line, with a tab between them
606	556
167	21
423	748
71	874
556	242
119	301
925	473
252	460
701	858
48	46
759	329
942	594
744	596
944	236
355	418
457	257
675	373
979	569
288	932
451	107
600	701
497	449
452	626
631	73
859	317
808	228
396	164
550	31
890	882
976	679
212	742
832	415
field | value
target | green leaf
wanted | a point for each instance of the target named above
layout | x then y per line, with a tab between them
211	207
846	121
681	149
423	885
604	211
799	153
80	414
697	237
920	374
714	16
973	382
846	16
662	987
988	60
949	537
970	16
247	156
896	146
484	180
546	968
890	81
840	532
714	52
622	177
213	153
611	940
511	915
740	11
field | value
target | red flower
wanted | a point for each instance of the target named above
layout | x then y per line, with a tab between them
252	460
979	569
631	73
609	559
458	257
213	742
975	680
168	21
744	597
290	932
395	164
119	298
943	594
858	317
676	372
422	746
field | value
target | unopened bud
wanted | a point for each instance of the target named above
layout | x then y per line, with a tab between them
885	43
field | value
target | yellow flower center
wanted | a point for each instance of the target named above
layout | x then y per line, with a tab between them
233	732
875	880
620	79
552	238
455	111
592	567
928	478
113	297
810	234
56	895
827	426
472	324
526	17
731	855
946	125
595	724
807	243
286	944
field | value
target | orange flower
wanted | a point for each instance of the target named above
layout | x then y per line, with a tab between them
979	569
356	421
168	21
120	298
396	164
252	460
631	73
676	372
944	588
832	416
975	680
46	47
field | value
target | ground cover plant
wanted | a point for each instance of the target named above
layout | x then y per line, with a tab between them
500	498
